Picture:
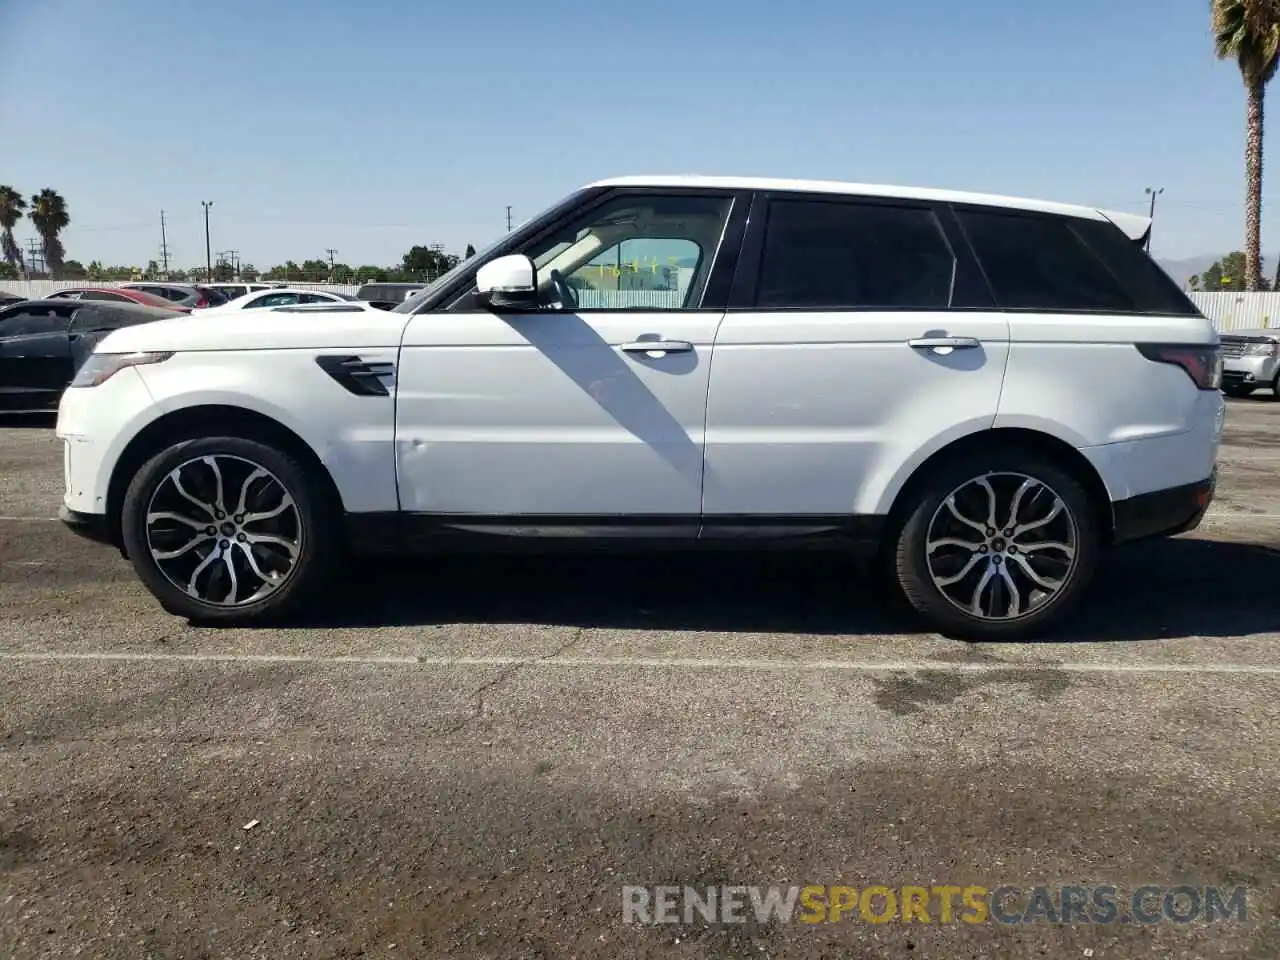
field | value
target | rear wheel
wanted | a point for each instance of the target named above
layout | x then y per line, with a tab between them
229	530
997	546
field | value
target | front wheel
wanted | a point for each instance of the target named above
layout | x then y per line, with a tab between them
997	546
1238	392
229	530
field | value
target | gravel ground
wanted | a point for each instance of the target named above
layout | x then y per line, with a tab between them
471	757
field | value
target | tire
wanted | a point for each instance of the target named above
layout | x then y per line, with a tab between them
1275	388
1238	392
921	574
169	553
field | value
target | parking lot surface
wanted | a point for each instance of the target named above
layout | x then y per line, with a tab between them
470	757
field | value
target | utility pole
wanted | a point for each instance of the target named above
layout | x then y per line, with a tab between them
164	247
1153	192
34	255
208	251
508	218
330	251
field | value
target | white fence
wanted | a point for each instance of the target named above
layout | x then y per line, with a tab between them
35	289
1228	311
1239	311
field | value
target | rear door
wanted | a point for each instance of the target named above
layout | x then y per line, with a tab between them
860	338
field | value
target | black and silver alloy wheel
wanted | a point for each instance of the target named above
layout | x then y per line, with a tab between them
1001	545
232	530
997	544
224	530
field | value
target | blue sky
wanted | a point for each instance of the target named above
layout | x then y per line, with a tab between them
370	127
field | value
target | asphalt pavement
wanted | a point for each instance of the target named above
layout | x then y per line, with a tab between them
472	757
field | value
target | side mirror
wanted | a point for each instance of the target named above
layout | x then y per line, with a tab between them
507	283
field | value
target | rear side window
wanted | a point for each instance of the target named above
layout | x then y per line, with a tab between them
824	254
1040	263
1151	289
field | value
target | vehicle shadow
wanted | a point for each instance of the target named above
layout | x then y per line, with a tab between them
41	420
1164	589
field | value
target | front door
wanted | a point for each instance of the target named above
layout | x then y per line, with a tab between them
588	414
35	357
856	344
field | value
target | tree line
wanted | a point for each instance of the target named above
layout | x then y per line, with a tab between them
48	213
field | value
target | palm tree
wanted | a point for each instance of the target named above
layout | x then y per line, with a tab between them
1248	31
11	206
49	215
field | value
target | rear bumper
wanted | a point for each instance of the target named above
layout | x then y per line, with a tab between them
1163	513
91	526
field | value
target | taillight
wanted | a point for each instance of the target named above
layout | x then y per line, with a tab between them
1202	363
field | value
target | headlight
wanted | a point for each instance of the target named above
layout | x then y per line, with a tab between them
1261	349
100	367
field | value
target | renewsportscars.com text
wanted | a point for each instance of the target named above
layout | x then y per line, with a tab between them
974	904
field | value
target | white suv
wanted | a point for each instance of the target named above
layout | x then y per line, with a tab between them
984	393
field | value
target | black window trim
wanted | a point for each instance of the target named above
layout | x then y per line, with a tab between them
715	291
968	286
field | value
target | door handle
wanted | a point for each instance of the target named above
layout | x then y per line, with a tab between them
658	348
945	345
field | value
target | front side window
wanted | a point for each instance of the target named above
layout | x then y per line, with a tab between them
635	251
824	254
1039	263
103	295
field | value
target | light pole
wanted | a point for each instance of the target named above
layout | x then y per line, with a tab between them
208	251
1153	193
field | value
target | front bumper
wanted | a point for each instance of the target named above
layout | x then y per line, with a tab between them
1249	371
1163	513
91	526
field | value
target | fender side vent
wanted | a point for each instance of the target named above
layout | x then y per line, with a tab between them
358	376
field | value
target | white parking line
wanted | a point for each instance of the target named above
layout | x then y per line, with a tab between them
661	663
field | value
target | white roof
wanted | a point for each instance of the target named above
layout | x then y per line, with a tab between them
1132	224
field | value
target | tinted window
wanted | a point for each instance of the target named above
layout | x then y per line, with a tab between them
1151	289
314	298
1038	262
272	300
820	253
28	320
103	295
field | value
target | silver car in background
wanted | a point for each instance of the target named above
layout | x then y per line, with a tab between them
1251	361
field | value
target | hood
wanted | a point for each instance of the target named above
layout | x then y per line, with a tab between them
282	329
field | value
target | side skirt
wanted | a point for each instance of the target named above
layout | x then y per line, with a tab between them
393	533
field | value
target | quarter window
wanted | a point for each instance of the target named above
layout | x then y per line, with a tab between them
824	254
1039	263
634	252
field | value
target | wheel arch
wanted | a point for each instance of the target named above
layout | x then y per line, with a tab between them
205	420
1054	449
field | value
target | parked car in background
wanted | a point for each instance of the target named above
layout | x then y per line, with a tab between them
385	296
7	299
233	290
1251	361
279	298
982	395
117	295
191	295
44	342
